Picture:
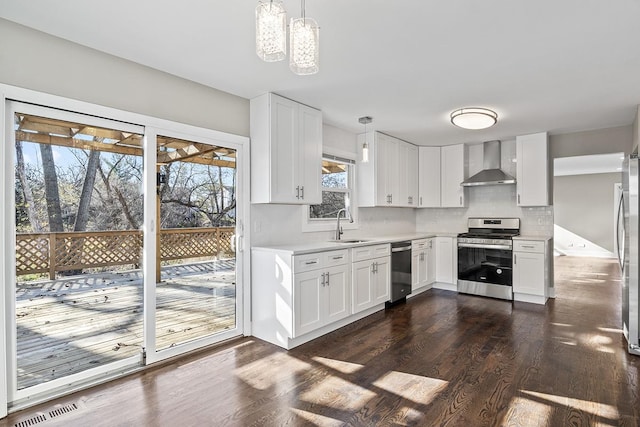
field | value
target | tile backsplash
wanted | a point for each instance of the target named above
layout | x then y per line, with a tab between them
488	201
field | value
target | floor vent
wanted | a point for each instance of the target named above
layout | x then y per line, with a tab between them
31	421
63	410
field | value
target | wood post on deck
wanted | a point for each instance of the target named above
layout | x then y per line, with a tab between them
52	256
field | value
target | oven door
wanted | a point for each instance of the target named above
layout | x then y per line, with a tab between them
485	270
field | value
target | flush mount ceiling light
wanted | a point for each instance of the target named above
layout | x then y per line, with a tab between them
474	118
304	44
271	30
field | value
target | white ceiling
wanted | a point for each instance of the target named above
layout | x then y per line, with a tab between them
552	65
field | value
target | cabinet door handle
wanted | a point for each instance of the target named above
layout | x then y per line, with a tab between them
302	192
390	198
338	257
297	192
528	246
518	198
327	276
420	200
515	258
373	267
311	262
322	280
460	200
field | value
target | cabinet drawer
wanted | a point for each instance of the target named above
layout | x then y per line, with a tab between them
369	252
419	244
334	258
308	262
536	246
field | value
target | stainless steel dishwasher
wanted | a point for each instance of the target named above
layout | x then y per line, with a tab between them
400	271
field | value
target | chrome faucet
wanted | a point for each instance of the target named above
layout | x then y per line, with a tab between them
348	216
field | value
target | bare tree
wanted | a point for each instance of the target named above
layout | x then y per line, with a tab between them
51	189
82	216
26	189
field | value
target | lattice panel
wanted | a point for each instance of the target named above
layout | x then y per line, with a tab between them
98	250
80	250
188	245
225	241
195	243
32	254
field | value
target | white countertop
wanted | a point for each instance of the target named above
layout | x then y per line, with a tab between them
539	238
310	247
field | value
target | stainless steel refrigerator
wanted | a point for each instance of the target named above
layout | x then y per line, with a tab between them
628	251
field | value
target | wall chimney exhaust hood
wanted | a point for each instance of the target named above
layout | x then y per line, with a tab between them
491	174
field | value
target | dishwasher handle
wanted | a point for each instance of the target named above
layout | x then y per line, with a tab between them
401	249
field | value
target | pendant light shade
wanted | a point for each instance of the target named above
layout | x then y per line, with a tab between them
474	118
365	147
304	44
271	30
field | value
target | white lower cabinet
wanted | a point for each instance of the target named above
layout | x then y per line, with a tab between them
371	276
530	271
297	298
321	297
446	260
422	264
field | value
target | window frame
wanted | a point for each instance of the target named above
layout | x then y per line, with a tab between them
326	224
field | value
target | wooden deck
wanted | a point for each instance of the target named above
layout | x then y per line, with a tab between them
69	325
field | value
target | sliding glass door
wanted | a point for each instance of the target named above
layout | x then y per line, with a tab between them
77	225
122	245
194	293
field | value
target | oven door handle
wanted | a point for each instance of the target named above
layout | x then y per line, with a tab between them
483	246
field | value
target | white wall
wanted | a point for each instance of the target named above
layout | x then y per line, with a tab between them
584	206
584	203
37	61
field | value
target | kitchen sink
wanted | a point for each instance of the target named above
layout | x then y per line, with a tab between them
348	241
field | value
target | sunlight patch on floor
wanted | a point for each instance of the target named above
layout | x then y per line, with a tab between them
566	325
611	330
277	369
524	411
339	365
338	393
600	409
414	388
317	419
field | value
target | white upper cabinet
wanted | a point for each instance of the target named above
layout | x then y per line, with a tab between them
429	177
453	164
286	151
390	176
411	175
532	176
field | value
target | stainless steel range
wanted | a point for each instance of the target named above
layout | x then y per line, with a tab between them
485	257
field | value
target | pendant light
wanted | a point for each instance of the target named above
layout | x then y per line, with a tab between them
365	147
304	44
474	118
271	30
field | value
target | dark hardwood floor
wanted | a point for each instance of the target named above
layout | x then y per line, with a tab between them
439	359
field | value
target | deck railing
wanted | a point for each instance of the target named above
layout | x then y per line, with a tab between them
58	252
